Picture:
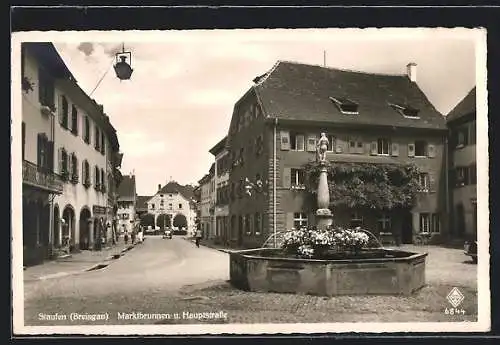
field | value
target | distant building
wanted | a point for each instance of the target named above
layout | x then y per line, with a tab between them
70	155
462	162
141	207
221	192
173	206
127	201
207	204
368	118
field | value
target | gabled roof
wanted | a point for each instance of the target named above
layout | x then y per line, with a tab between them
218	147
126	189
141	202
299	92
173	187
465	107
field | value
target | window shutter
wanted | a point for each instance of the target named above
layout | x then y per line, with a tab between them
285	140
432	182
339	145
395	149
61	110
76	173
59	159
39	150
311	143
431	151
373	148
83	171
411	150
50	155
286	178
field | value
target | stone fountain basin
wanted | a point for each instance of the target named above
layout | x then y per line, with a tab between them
265	270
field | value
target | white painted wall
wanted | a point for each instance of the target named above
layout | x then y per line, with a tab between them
172	205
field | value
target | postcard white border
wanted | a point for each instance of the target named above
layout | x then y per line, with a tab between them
484	307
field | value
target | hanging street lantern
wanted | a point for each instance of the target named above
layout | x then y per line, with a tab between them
122	69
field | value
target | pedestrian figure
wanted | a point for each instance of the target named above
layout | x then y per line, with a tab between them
132	236
198	237
125	237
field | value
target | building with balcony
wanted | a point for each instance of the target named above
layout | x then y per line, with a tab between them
172	207
126	202
461	122
69	151
221	192
371	120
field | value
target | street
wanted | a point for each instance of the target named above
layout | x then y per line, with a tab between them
166	277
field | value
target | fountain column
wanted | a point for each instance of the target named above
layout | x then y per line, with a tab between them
323	214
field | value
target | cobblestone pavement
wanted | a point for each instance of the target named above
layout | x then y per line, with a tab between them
171	277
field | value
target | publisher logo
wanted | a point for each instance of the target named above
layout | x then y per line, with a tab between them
455	297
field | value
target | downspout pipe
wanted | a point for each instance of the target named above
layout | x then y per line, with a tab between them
447	185
274	181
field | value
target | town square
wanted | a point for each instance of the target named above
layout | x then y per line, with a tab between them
271	178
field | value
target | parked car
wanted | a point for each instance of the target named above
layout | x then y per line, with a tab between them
470	249
167	234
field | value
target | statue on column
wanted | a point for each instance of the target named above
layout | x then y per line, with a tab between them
321	148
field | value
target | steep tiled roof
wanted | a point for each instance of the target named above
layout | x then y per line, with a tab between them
295	91
466	106
218	147
174	187
126	189
142	202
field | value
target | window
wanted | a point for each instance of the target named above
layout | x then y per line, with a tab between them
425	222
45	89
169	206
103	143
74	168
430	223
297	142
355	145
180	206
23	135
383	146
424	182
257	224
406	110
384	223
420	148
74	120
462	136
64	163
125	216
86	130
297	177
86	173
299	220
345	105
43	151
472	174
152	206
64	112
259	145
97	176
97	138
103	180
356	220
331	143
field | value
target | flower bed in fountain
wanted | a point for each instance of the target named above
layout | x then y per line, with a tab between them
330	262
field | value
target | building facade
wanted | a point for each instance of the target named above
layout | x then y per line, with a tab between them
368	118
172	207
76	152
127	201
221	192
461	122
207	204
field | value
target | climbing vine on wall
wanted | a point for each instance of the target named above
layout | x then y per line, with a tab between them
376	186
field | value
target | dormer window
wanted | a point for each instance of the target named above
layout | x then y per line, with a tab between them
345	105
406	110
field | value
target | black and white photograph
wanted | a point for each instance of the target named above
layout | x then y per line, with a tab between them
250	181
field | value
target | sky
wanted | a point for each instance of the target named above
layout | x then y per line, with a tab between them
179	101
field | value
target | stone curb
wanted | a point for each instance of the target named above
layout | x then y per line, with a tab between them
227	251
94	267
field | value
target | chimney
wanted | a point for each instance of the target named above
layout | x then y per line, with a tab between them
411	71
159	186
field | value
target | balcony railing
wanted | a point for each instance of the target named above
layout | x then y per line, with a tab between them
42	178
